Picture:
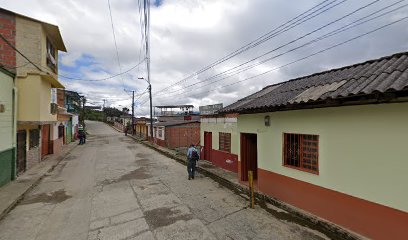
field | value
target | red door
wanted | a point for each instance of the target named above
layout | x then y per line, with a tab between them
45	140
207	146
249	155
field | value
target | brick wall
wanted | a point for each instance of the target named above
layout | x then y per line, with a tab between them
33	157
29	36
8	30
183	135
61	98
57	145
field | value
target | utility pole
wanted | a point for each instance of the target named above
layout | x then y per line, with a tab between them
133	112
147	38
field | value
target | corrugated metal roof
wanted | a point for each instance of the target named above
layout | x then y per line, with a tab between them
387	74
174	123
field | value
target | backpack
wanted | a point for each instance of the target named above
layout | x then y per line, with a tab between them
194	155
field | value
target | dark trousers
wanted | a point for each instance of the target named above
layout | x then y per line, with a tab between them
191	166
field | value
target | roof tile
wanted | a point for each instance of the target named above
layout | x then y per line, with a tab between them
380	75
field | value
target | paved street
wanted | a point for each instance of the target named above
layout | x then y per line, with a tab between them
115	188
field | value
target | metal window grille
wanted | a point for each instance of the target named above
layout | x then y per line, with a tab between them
34	138
61	131
225	142
301	151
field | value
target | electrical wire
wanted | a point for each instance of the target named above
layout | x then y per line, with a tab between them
102	79
277	48
271	34
308	56
330	34
116	46
15	49
10	67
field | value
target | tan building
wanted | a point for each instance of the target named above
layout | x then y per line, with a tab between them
36	114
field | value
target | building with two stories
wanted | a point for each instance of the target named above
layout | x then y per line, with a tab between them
333	144
36	114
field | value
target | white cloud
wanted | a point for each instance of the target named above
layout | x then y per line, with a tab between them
187	35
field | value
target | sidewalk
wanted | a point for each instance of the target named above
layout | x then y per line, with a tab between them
274	206
13	192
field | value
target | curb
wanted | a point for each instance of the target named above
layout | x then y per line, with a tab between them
58	158
288	212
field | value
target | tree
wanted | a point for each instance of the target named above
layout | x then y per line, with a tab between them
125	110
112	112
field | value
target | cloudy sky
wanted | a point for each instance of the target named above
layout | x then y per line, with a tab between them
187	35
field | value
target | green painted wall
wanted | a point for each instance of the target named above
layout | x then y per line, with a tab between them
6	166
216	128
7	130
6	117
363	149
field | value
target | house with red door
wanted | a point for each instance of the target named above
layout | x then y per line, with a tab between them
332	144
219	137
36	113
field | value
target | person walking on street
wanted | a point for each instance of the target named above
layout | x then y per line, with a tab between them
192	158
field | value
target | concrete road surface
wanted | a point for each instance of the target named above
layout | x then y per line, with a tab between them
115	188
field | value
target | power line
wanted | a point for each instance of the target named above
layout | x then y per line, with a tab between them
275	49
116	46
15	49
13	67
327	35
102	79
311	55
271	34
63	76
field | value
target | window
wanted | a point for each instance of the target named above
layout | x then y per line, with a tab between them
51	62
61	131
225	142
301	151
160	132
34	138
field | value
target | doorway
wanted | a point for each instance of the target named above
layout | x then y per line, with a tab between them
21	151
249	156
207	145
45	140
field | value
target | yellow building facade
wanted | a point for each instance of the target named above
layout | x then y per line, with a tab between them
37	110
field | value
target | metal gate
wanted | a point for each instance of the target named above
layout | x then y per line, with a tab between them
21	151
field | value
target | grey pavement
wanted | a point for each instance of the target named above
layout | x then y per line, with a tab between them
12	192
115	188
